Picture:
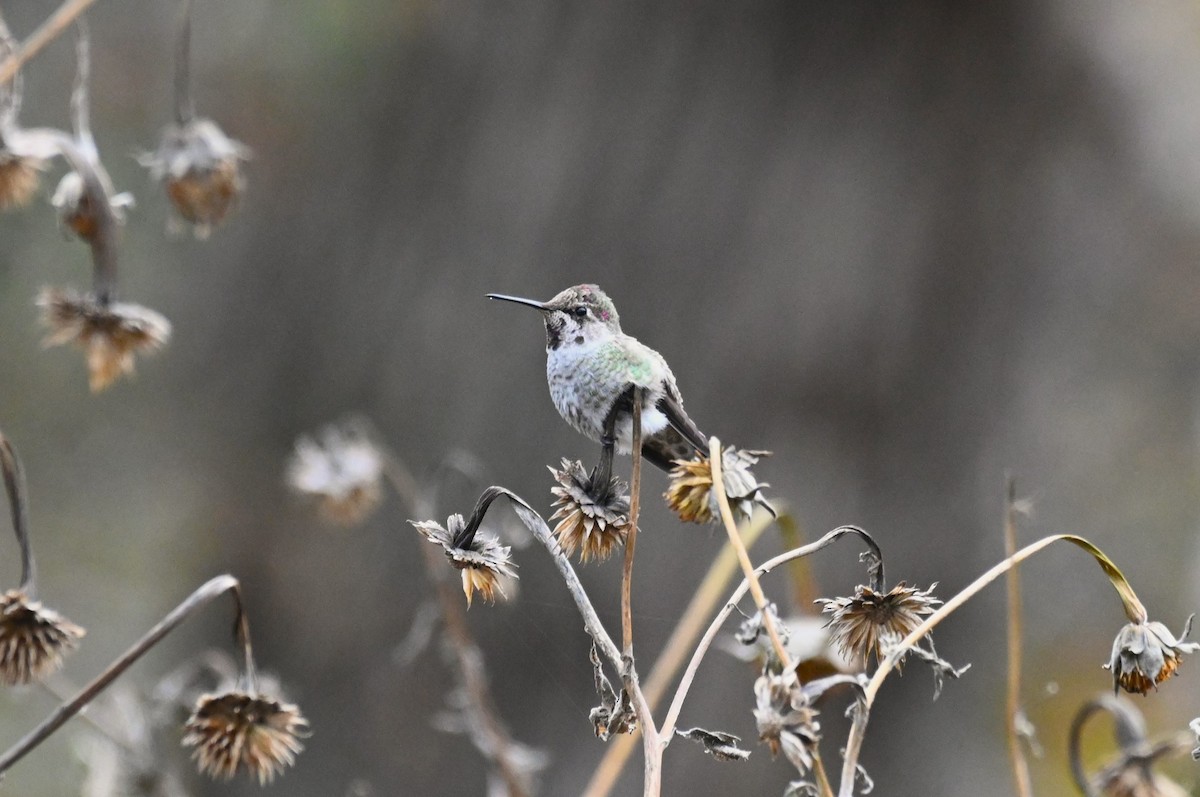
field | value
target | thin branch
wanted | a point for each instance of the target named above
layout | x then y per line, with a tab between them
198	599
54	25
80	110
635	494
185	106
14	483
1016	750
760	598
675	651
1133	607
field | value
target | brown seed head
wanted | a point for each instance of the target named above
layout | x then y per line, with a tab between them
33	639
344	471
483	561
1146	654
592	524
19	179
110	334
201	169
786	720
239	731
690	493
863	624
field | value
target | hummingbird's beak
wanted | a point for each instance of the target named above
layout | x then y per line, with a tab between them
519	300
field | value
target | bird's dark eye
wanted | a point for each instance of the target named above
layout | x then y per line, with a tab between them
580	311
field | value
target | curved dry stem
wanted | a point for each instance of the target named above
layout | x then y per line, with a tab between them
760	598
80	107
689	675
674	653
14	483
50	30
198	599
1134	610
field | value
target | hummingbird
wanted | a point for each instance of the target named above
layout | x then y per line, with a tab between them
594	370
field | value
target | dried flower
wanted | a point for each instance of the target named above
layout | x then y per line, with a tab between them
1146	654
592	520
481	558
200	167
862	625
786	719
690	492
75	211
343	471
33	639
19	178
237	730
1134	778
110	333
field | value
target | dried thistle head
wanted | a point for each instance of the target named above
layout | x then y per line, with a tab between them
109	333
786	719
591	519
864	623
690	492
33	639
482	560
19	178
344	471
200	167
236	731
1146	654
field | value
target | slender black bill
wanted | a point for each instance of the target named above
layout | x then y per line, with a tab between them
518	300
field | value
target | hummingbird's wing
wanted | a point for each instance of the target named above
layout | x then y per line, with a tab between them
664	448
671	406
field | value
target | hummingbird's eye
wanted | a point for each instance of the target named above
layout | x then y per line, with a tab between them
580	311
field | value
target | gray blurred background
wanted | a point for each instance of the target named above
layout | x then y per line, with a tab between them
906	246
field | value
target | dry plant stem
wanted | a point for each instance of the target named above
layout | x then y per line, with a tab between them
1016	752
80	106
185	107
466	652
760	599
198	599
54	25
635	490
1134	610
14	483
683	638
714	628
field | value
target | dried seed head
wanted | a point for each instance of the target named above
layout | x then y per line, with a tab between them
690	492
483	560
200	167
863	624
19	179
1146	654
33	639
236	730
344	471
110	334
786	720
588	521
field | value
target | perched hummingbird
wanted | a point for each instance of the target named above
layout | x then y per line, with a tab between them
591	366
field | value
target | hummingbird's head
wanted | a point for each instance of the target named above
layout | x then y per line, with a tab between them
576	316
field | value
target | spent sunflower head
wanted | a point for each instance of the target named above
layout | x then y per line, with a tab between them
1146	654
690	492
109	333
237	730
33	639
593	519
786	719
481	558
864	623
201	169
343	471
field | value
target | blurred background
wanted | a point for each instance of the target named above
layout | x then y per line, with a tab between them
906	246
